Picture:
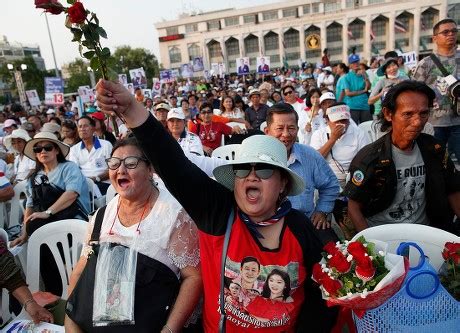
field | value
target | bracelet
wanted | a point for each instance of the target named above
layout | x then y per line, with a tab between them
27	302
169	330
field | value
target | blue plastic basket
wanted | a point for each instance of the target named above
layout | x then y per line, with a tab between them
421	305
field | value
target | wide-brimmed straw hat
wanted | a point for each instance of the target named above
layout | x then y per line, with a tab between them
16	134
259	149
44	136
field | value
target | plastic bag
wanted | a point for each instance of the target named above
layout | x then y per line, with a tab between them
114	286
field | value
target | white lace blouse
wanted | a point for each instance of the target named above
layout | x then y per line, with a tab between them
167	233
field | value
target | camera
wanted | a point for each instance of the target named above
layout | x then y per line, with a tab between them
453	86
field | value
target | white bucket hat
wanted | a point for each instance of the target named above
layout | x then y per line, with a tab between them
44	136
259	149
16	134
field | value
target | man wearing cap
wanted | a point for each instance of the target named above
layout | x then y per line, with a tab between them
257	112
9	126
189	142
356	87
338	143
405	176
446	109
50	114
161	113
282	123
91	153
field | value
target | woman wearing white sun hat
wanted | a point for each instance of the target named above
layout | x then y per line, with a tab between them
22	166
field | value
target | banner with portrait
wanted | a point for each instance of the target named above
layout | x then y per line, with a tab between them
138	78
186	71
86	94
32	97
263	65
156	88
123	78
198	64
242	65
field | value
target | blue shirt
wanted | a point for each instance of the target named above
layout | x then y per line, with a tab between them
68	177
354	82
317	175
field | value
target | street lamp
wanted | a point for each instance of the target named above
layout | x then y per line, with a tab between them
19	83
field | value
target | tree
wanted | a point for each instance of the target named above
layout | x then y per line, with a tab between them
78	75
125	58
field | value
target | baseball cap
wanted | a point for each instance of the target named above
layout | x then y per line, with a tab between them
9	123
338	112
176	113
326	96
327	68
50	111
353	58
164	106
98	115
254	92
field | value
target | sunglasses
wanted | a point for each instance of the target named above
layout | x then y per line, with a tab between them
206	111
287	92
446	33
263	171
130	162
39	149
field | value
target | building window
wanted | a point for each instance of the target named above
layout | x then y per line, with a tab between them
191	27
356	30
232	46
290	12
371	2
231	21
454	13
427	20
334	33
174	54
193	51
335	50
315	7
251	44
271	15
215	50
271	41
354	3
293	56
249	18
274	58
332	6
379	27
7	52
425	41
214	25
306	9
313	54
404	20
291	38
376	47
172	31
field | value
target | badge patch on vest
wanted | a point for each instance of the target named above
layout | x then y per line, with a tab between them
358	177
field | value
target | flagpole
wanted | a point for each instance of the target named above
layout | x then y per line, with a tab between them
56	71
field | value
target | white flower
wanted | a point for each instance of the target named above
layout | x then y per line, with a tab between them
337	243
323	266
357	285
344	252
371	257
329	256
349	294
366	255
347	242
350	258
364	293
365	244
382	253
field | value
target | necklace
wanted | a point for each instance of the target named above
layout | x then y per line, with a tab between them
140	220
209	135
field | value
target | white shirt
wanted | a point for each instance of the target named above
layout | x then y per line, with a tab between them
344	149
22	167
92	163
316	123
191	143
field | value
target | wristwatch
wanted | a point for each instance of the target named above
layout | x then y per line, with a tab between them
49	212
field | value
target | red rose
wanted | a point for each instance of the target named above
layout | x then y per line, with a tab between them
339	262
356	249
317	273
50	6
365	273
330	248
77	13
455	258
450	248
331	286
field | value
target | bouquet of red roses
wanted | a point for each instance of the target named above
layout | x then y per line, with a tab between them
359	275
449	274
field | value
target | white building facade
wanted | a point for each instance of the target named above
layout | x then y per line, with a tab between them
294	31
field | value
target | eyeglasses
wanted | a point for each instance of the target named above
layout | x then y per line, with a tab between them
263	171
287	92
130	162
446	33
39	149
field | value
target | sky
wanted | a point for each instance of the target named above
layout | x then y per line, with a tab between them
128	22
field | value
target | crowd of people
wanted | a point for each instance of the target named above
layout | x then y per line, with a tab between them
322	152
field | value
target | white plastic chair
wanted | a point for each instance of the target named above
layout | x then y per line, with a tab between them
430	239
16	205
225	152
370	129
53	234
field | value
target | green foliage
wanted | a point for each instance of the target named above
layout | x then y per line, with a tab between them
79	75
125	58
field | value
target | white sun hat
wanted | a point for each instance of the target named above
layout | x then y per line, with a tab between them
44	136
259	149
16	134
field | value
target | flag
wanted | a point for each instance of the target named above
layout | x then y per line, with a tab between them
400	26
372	35
350	34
